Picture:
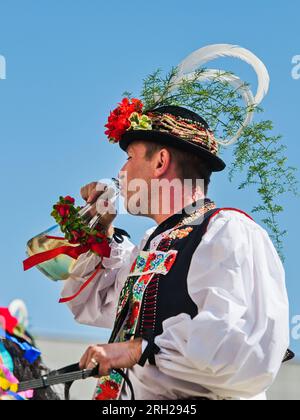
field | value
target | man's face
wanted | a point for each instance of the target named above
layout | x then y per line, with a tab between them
137	168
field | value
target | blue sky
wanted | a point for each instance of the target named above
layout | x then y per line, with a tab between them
68	63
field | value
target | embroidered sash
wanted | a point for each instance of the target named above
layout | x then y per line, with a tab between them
148	265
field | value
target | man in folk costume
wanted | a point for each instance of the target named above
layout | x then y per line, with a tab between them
199	309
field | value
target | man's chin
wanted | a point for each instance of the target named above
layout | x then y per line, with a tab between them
134	211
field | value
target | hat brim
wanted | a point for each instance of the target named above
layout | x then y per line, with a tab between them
215	164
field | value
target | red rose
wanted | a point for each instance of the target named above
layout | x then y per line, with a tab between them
101	235
69	200
118	120
63	210
102	249
76	236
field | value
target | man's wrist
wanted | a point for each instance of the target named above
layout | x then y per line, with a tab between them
136	347
108	231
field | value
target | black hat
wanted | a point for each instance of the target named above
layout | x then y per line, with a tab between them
180	128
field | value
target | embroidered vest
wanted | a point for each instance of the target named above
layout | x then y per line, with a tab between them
167	296
155	290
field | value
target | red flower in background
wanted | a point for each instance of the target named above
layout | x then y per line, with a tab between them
118	121
7	321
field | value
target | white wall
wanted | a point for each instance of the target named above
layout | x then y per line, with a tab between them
59	353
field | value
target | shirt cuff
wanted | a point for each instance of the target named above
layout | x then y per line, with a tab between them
120	252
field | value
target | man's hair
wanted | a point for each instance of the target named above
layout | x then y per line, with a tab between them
189	166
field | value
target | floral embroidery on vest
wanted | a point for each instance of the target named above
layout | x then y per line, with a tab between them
145	271
109	387
181	233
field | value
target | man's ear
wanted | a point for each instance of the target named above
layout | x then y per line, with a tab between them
162	162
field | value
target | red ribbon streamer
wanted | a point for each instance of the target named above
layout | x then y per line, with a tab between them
71	251
58	238
84	286
102	249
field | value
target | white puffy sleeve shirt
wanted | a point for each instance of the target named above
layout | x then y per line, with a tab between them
235	345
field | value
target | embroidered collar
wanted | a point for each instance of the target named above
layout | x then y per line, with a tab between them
185	213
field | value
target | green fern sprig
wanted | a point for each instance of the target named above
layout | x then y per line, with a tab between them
258	154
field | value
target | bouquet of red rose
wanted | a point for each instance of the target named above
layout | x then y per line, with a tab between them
54	255
77	228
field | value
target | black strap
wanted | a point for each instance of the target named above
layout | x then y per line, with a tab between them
119	235
65	375
150	351
68	375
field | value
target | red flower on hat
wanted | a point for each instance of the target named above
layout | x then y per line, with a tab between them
118	121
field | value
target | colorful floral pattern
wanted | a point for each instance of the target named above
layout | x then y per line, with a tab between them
152	262
108	388
145	267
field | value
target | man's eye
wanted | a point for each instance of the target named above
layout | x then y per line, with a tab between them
129	157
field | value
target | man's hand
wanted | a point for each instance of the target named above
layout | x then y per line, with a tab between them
91	193
112	356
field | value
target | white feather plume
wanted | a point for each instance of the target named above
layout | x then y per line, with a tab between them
204	55
237	84
197	60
